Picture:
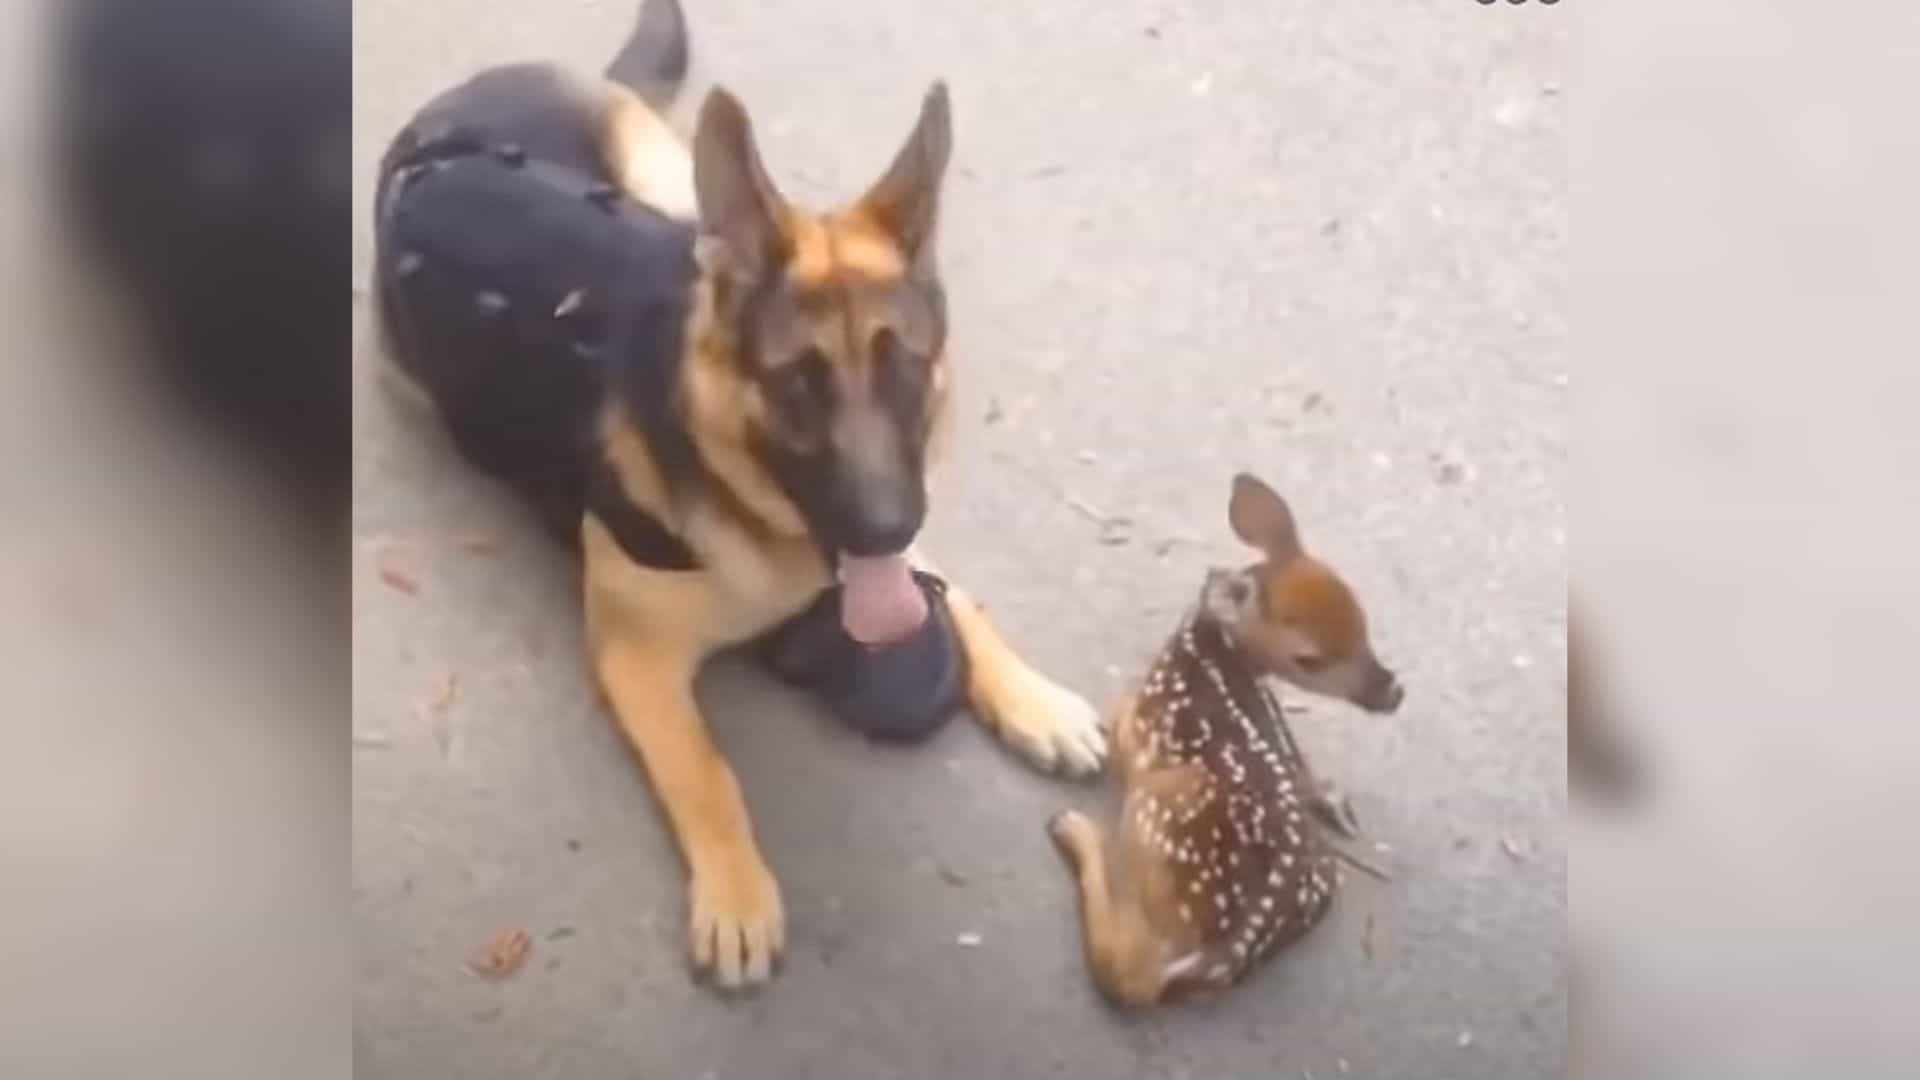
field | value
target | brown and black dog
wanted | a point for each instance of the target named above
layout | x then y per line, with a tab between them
730	401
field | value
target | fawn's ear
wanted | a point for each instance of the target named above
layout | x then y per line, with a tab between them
1260	517
738	202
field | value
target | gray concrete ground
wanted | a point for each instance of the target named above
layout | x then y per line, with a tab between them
1322	241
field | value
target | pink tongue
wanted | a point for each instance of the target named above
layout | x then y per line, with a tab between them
879	603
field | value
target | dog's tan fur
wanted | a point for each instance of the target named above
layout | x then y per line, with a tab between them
647	157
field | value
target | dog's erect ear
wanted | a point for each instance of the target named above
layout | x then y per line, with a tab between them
906	201
738	202
1260	517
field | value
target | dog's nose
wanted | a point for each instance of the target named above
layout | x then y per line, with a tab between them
888	539
883	526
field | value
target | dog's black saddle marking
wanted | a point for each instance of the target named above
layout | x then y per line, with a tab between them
524	291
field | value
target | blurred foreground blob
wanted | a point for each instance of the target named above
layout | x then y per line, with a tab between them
1600	765
202	152
174	616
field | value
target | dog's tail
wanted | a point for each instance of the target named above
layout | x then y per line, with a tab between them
653	63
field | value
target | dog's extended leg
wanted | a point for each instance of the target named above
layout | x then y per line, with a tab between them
737	926
1052	726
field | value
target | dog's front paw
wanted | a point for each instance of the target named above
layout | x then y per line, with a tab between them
1053	727
738	925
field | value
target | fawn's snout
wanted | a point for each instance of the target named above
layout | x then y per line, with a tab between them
1384	692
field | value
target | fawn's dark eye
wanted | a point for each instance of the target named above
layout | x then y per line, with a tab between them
801	389
1309	662
1240	590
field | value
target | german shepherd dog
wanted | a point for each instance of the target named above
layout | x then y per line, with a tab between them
726	400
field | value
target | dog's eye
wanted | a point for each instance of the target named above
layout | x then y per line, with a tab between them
895	360
801	387
900	376
1309	662
888	348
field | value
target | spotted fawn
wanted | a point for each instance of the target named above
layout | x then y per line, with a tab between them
1218	856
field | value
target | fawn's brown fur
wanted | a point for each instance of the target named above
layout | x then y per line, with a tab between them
1217	856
